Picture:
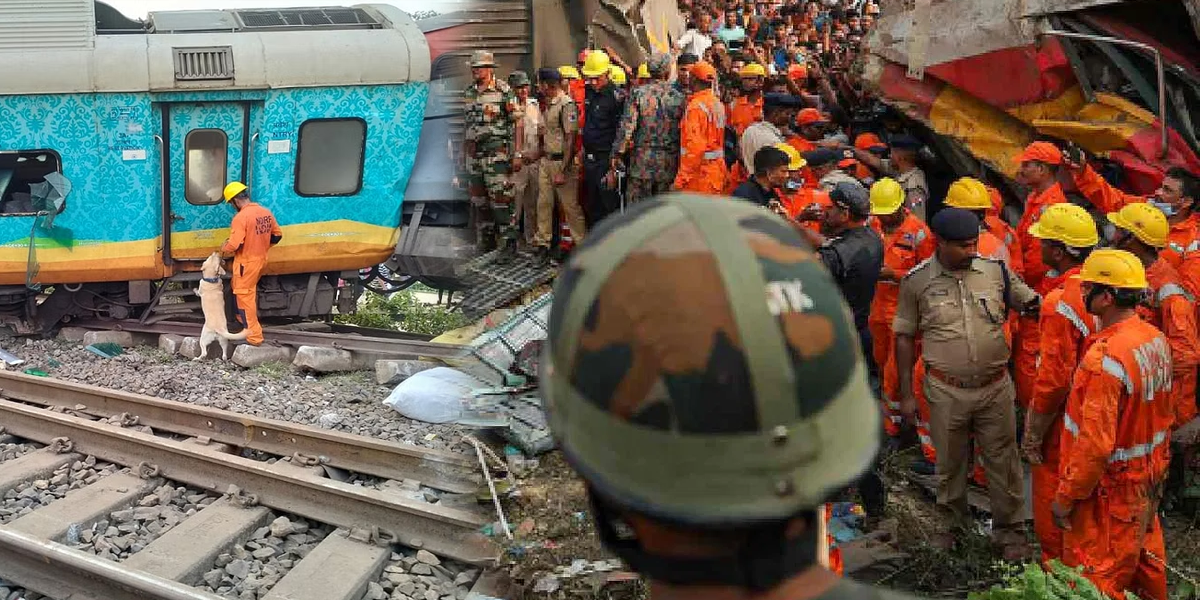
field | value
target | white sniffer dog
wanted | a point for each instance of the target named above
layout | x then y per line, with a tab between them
212	302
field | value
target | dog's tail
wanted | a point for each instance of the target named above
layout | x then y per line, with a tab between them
241	335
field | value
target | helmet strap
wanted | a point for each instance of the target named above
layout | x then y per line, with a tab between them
766	559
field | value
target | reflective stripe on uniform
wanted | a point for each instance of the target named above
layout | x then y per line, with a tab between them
1114	367
1172	289
1069	314
1138	451
1194	246
920	236
1070	425
714	154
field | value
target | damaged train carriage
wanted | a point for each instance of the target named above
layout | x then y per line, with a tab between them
118	135
983	78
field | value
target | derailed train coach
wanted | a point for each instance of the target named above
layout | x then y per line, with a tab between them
118	135
980	79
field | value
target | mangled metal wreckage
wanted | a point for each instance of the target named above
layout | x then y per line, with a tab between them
987	77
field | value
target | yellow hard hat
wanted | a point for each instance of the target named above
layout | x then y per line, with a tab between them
969	193
597	64
616	74
1115	268
1145	222
795	161
1064	222
752	70
886	196
569	72
643	71
234	189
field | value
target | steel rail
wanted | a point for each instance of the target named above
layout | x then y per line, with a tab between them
62	572
449	471
289	337
450	532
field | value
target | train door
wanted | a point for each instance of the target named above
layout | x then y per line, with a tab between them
208	147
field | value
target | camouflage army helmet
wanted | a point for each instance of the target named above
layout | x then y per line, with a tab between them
482	58
518	78
702	367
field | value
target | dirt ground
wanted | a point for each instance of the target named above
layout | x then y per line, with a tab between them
553	529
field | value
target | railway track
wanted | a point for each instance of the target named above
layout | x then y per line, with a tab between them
97	460
355	339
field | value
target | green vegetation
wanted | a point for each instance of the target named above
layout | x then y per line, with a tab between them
1059	583
405	312
273	369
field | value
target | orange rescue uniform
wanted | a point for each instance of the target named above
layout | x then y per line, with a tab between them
1183	241
1031	247
1065	330
1173	311
251	235
702	156
903	249
1114	457
744	112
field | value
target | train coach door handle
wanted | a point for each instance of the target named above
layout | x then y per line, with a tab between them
175	217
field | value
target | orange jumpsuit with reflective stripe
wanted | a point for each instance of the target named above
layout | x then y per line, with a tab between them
1115	451
744	112
1031	247
1065	330
702	140
1183	241
250	237
1173	311
903	249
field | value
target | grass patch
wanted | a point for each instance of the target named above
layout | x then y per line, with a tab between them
274	369
404	312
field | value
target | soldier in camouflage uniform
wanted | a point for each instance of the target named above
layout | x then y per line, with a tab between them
491	115
649	133
704	378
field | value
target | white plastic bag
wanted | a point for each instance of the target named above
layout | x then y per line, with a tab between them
437	395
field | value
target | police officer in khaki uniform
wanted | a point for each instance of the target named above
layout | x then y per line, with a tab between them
557	175
957	303
526	149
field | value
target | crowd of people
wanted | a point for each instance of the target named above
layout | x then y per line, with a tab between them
1069	339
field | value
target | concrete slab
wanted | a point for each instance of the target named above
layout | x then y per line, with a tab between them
355	564
324	360
180	555
170	343
123	339
391	372
38	464
72	334
190	348
248	356
85	506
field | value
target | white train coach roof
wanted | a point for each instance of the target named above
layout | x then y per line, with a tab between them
81	46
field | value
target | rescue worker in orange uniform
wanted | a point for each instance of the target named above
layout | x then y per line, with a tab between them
1114	442
744	111
1068	234
1003	231
1143	230
1039	170
795	196
702	136
868	142
1176	197
252	233
906	242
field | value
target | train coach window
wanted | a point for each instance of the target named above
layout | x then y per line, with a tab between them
330	161
20	173
207	161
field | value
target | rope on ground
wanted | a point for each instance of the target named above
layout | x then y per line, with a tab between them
491	485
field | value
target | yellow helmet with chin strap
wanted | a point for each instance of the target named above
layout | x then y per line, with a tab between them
1114	268
232	190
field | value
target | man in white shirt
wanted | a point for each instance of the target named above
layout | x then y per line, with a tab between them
693	41
778	111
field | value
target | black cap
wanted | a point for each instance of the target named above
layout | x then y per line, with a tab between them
852	196
821	156
687	58
905	142
777	100
549	74
955	224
